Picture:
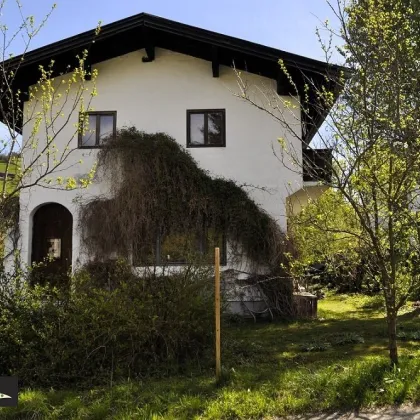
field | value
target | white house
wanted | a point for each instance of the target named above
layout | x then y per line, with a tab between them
164	76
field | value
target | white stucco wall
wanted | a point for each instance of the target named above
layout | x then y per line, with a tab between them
155	97
310	192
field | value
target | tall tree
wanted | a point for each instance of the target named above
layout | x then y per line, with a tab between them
373	131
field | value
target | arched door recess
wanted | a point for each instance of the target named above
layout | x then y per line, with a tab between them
52	239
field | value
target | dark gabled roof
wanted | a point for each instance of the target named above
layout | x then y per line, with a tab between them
148	31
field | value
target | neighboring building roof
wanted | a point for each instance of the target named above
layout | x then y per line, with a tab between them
148	31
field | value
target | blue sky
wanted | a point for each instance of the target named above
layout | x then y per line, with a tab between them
285	24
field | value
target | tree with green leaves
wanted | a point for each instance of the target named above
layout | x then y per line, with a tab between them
373	131
323	232
36	157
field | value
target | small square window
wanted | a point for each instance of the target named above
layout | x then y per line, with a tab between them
99	127
206	128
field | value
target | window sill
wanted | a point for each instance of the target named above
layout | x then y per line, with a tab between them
90	147
177	265
204	146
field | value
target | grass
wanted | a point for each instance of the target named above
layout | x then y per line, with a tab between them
12	170
268	372
10	187
12	167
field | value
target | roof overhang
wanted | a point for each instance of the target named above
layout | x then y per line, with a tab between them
148	32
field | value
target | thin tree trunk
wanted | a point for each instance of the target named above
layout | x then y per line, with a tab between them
392	337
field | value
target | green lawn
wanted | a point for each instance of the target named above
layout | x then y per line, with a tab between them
12	167
12	170
271	369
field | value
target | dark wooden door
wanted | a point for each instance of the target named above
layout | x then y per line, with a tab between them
52	239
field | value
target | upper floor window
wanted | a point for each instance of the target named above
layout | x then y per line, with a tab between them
100	126
206	128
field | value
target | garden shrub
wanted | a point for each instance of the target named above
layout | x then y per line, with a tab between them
409	335
93	334
330	253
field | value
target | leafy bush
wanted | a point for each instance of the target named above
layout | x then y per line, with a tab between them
409	335
330	253
97	332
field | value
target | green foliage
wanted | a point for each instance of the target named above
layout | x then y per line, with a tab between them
9	222
96	333
409	335
158	190
373	132
11	169
332	340
326	232
346	338
39	154
319	229
267	376
379	141
315	346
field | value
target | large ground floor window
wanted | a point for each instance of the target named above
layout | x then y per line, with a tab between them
177	247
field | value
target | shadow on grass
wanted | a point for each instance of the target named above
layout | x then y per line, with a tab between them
266	374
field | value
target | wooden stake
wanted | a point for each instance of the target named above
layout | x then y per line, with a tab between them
217	309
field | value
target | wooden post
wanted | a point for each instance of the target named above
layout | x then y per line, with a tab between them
217	309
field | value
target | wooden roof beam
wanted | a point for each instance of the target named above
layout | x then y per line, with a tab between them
215	64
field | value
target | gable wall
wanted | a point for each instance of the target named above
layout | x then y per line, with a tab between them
154	97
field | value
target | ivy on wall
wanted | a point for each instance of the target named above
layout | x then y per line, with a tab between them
158	190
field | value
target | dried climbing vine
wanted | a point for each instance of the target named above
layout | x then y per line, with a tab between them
157	186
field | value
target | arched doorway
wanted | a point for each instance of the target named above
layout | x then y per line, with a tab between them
52	240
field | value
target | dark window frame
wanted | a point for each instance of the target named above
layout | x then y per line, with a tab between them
160	262
206	112
203	250
98	115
